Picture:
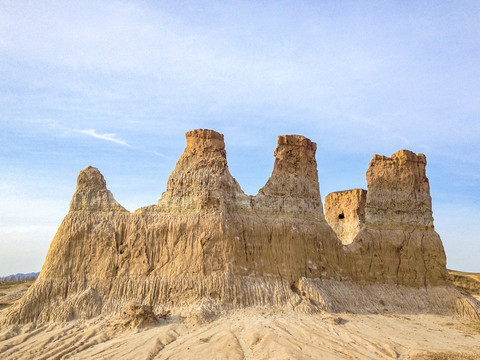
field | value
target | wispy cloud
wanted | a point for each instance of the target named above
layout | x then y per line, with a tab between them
107	137
162	155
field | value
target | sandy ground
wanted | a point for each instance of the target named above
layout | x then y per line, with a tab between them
10	291
253	333
250	334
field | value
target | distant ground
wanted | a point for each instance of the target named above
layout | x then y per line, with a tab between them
20	277
468	282
11	291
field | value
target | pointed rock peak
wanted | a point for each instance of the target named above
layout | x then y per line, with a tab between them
92	193
91	178
295	154
293	186
201	180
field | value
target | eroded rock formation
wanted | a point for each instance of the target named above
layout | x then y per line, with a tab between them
398	193
206	241
398	243
345	213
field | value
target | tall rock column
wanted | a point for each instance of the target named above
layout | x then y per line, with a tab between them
398	243
201	181
185	230
398	193
293	187
284	232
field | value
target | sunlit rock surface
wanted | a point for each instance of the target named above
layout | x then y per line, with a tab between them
208	243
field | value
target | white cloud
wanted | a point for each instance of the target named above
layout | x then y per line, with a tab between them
106	137
162	155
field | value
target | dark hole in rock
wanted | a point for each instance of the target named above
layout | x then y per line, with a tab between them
341	216
294	288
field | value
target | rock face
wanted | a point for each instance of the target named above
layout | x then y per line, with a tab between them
399	193
345	213
398	243
293	188
207	242
283	228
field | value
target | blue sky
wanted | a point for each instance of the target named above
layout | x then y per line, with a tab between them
116	84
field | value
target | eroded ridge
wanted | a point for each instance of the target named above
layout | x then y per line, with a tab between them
206	242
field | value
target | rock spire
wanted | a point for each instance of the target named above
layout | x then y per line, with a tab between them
293	188
399	193
398	243
92	193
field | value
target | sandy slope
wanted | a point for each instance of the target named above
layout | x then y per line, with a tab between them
248	334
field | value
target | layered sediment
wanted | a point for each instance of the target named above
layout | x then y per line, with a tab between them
398	243
345	213
207	239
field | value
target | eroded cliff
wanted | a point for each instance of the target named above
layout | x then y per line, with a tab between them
207	242
398	243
